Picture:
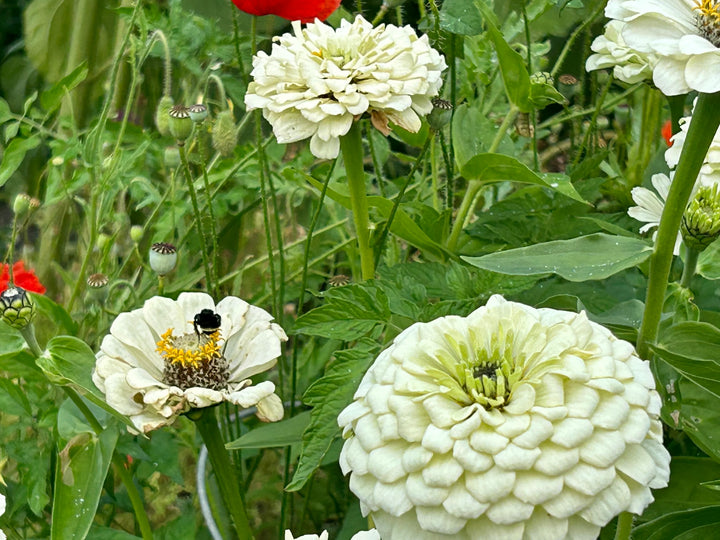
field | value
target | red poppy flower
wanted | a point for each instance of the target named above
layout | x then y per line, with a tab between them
667	132
293	10
23	278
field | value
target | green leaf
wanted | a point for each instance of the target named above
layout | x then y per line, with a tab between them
709	262
5	112
693	348
275	434
596	256
69	361
55	313
13	399
104	533
699	524
51	98
328	396
543	94
498	168
461	17
79	477
348	313
14	155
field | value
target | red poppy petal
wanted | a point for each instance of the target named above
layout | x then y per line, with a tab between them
22	278
306	11
666	132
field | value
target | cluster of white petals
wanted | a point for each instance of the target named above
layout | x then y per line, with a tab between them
611	51
561	437
129	370
683	36
315	83
2	511
372	534
710	170
650	206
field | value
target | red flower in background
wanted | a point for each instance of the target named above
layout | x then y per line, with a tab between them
667	132
23	278
293	10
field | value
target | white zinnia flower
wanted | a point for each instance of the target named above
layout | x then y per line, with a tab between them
683	34
611	51
315	83
163	359
372	534
2	511
650	207
710	170
513	422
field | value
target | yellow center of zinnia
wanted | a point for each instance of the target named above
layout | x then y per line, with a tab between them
708	20
193	360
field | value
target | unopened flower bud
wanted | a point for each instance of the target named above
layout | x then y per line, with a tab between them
440	116
18	309
102	241
21	205
542	77
163	257
97	286
701	220
197	112
224	134
162	118
136	233
172	157
180	123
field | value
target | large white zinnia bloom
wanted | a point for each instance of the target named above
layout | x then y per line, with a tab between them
372	534
684	35
611	51
315	83
512	422
156	364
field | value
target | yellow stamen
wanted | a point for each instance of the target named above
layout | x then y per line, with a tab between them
708	8
319	54
189	350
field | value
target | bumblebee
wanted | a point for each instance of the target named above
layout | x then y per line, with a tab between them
206	322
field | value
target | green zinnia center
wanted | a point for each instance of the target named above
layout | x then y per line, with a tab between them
489	378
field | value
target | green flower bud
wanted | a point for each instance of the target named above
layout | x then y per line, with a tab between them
21	205
136	233
162	118
198	112
542	77
180	123
18	309
224	134
163	258
542	90
701	220
172	157
102	241
440	116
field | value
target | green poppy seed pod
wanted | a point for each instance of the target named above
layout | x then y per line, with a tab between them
18	309
163	258
224	134
701	220
136	233
21	205
198	112
97	286
172	157
440	116
180	123
162	118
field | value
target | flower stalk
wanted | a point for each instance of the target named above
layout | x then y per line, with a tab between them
700	134
352	151
206	423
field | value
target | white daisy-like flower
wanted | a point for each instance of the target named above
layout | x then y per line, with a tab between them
314	84
628	65
710	170
683	34
650	206
2	511
372	534
511	423
173	355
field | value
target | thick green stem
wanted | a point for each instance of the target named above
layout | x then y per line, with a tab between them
624	526
352	151
706	119
206	423
691	260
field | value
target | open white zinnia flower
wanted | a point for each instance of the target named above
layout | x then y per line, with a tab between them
683	34
650	207
2	511
372	534
173	355
315	83
513	422
710	170
611	51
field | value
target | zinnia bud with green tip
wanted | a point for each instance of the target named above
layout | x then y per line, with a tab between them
163	258
198	112
18	309
180	123
701	220
162	118
224	134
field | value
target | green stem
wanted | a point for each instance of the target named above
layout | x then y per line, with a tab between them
624	526
206	423
691	260
467	205
352	151
706	119
571	40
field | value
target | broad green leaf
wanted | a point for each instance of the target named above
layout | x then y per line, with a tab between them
51	98
709	262
5	112
698	524
328	396
596	256
13	400
461	17
105	533
498	168
14	155
347	313
543	94
275	434
695	411
79	477
69	361
56	313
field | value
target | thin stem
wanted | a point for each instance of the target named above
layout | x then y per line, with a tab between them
213	232
467	205
706	119
352	151
508	121
571	40
624	526
691	259
206	423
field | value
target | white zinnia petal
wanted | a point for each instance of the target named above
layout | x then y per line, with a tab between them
580	448
315	83
650	206
132	373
